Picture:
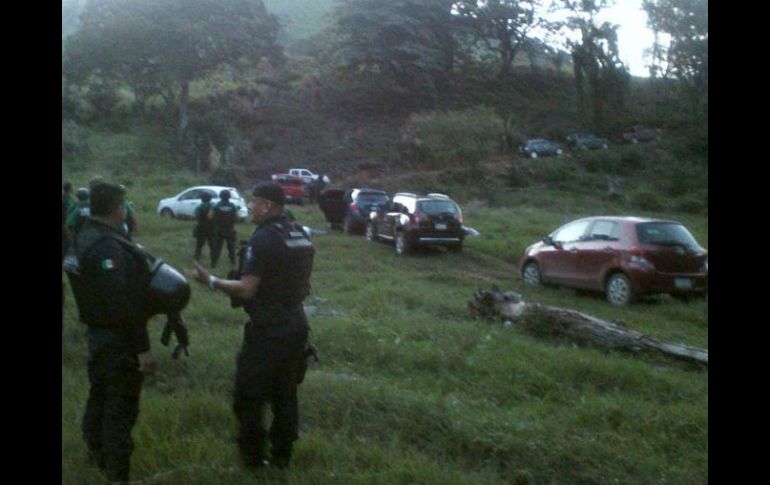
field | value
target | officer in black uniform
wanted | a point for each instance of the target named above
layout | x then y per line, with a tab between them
274	279
204	229
110	283
224	214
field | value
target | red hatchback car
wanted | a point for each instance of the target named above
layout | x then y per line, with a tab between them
623	257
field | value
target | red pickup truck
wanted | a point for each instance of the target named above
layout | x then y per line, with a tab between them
293	188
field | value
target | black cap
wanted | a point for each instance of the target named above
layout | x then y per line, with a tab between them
224	194
270	191
106	197
82	194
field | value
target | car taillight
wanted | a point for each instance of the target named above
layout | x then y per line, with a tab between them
353	207
416	217
638	256
460	216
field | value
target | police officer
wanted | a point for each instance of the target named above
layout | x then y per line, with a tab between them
79	212
66	203
66	195
129	223
274	279
110	286
224	214
128	228
203	231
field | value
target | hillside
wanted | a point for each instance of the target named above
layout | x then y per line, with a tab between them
410	387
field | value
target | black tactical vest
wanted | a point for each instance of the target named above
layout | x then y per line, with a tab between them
286	281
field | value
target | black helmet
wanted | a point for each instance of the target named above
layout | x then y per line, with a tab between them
82	194
224	194
169	290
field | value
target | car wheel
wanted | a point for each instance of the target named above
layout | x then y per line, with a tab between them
371	235
531	274
402	245
533	155
618	290
166	212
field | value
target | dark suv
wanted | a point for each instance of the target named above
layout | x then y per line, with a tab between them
358	204
412	220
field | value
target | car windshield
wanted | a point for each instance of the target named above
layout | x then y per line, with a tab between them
372	197
437	207
666	234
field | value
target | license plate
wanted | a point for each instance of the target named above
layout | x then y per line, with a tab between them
440	227
683	283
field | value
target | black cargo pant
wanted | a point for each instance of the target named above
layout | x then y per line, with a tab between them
113	403
218	240
268	368
201	239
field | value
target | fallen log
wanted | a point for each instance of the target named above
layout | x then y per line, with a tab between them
576	326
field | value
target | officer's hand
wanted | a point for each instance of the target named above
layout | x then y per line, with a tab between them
147	362
199	274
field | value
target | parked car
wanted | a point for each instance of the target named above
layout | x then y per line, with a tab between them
293	188
540	147
182	205
587	140
306	175
624	257
359	203
641	133
412	220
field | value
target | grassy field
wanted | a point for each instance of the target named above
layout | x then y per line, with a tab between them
411	388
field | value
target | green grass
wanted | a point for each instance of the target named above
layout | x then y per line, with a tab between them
411	388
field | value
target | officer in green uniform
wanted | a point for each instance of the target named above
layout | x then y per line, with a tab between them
224	214
66	203
203	231
129	224
79	212
274	279
66	196
110	278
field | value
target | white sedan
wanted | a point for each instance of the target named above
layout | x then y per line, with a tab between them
183	204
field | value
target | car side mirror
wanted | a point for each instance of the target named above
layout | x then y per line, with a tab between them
548	241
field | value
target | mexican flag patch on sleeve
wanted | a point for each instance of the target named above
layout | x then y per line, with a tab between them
108	264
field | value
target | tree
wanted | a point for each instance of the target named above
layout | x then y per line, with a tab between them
601	79
404	46
160	46
502	25
686	58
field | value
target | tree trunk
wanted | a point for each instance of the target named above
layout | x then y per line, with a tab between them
184	99
577	327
